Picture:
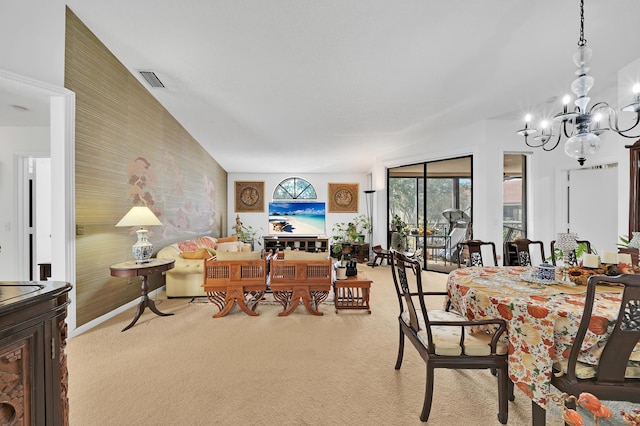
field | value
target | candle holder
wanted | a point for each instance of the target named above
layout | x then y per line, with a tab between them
567	244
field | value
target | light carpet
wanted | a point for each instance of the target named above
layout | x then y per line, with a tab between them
337	369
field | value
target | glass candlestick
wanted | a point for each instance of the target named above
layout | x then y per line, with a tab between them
566	243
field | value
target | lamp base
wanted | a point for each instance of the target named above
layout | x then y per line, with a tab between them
142	249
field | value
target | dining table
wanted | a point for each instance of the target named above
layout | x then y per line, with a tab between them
542	319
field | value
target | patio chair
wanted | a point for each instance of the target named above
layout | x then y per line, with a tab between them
615	377
474	249
573	259
518	252
380	254
442	338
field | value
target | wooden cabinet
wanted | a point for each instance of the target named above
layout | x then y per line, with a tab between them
308	244
33	364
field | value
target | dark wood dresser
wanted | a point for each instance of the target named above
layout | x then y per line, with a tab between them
33	364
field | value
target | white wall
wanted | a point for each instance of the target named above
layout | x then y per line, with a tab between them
14	141
319	181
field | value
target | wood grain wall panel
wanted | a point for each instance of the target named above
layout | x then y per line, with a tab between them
129	151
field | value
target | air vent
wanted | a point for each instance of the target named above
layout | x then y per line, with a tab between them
151	78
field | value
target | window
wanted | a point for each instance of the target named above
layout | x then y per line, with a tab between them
514	200
294	189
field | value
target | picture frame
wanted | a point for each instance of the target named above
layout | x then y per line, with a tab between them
249	196
343	197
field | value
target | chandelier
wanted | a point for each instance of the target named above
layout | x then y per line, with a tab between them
581	126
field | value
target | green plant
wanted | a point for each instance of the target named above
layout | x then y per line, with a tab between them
624	242
348	232
399	225
580	250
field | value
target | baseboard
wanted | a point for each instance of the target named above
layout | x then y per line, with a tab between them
93	323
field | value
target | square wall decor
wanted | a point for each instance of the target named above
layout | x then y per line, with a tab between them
343	197
249	196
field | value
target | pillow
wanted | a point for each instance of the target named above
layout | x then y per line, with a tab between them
230	239
205	242
197	254
187	245
242	255
229	246
302	255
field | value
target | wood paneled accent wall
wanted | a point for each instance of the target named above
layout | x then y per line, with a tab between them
129	151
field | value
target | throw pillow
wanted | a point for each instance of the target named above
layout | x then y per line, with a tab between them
197	254
205	242
230	239
229	246
187	245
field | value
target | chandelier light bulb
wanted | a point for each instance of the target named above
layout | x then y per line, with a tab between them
566	99
527	118
636	88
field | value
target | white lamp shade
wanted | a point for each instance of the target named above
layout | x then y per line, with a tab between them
139	216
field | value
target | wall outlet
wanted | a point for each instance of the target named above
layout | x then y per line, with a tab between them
79	230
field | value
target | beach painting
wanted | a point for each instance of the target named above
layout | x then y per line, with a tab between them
297	218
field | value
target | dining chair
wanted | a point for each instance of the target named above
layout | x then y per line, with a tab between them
474	249
442	338
615	377
573	259
520	248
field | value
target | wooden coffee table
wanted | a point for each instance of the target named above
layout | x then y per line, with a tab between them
352	293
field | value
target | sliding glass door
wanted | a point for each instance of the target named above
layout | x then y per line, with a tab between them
432	200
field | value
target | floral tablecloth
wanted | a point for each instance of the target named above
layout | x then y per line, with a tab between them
542	320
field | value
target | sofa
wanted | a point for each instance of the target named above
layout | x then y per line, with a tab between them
187	276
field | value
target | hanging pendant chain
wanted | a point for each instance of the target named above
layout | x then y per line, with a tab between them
582	40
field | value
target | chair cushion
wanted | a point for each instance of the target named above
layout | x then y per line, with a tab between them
446	339
238	255
303	255
587	371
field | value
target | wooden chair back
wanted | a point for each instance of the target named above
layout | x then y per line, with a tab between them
573	259
521	248
425	330
609	381
473	251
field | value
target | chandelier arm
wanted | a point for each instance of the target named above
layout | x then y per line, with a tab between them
526	140
615	128
544	145
563	129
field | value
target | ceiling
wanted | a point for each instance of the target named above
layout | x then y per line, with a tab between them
328	86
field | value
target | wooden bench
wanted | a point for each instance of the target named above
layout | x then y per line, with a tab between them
242	281
292	281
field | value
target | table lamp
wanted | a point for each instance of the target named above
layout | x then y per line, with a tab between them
140	216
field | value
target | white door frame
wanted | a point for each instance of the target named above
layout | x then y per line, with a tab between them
62	139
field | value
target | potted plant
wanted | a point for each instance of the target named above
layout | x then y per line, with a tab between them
246	233
627	245
401	228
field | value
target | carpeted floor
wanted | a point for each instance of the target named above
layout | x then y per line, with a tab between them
191	369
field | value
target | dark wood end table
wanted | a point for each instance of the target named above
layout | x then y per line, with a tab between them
352	293
143	270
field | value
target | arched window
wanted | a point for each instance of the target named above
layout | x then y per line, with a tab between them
294	189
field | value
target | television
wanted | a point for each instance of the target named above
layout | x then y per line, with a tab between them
297	218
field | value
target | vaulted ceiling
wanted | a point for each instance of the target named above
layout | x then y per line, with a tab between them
328	85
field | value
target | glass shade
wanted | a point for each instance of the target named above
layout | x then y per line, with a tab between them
582	145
